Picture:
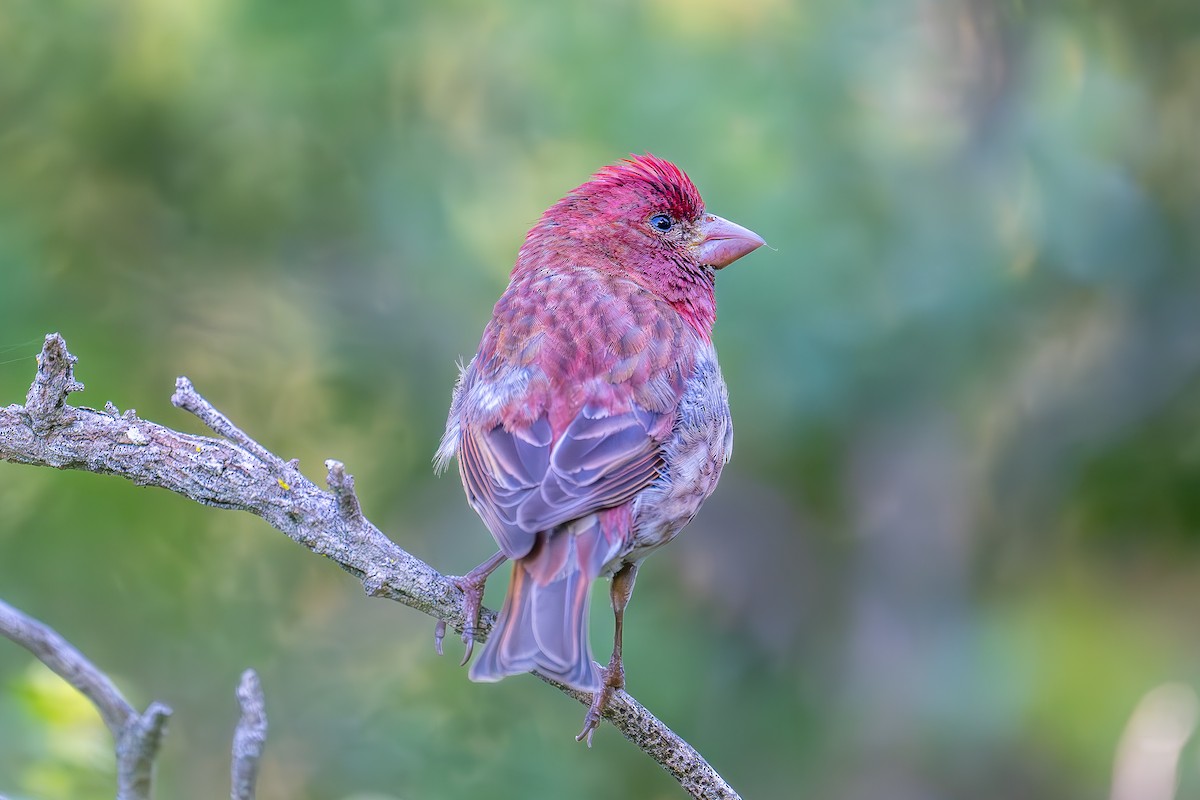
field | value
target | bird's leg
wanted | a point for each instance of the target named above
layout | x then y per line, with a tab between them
471	585
613	676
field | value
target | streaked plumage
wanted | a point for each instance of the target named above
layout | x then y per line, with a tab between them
593	420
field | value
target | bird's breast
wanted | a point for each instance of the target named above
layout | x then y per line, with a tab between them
698	447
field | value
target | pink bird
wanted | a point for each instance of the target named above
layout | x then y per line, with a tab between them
593	421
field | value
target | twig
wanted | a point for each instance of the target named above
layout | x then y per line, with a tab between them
248	738
55	380
242	474
189	400
137	735
69	664
342	485
137	749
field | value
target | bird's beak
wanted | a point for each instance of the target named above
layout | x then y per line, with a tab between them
723	242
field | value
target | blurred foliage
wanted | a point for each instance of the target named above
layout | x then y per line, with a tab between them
960	537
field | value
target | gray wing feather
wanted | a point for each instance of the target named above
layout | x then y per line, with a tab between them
521	481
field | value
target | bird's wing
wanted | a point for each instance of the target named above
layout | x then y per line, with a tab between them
565	408
524	479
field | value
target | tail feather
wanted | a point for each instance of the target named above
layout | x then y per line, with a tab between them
543	623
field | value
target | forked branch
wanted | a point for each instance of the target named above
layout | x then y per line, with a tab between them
136	735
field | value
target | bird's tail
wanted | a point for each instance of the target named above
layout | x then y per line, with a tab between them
543	623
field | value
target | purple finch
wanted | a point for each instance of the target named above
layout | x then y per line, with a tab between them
593	421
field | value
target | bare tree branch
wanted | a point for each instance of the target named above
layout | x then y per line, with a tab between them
137	735
136	750
248	738
243	475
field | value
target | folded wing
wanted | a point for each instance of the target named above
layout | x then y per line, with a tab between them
524	479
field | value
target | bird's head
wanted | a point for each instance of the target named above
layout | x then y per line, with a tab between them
643	215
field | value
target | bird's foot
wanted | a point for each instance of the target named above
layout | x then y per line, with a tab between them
612	679
471	586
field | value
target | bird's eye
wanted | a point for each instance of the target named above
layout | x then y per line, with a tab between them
662	223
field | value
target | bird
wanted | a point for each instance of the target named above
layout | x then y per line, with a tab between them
593	421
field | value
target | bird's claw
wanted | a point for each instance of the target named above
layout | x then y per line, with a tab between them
473	589
469	641
613	678
591	720
439	633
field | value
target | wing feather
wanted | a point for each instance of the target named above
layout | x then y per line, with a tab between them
522	480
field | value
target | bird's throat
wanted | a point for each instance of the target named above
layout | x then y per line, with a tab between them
689	289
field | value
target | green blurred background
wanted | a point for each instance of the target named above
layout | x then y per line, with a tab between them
959	541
